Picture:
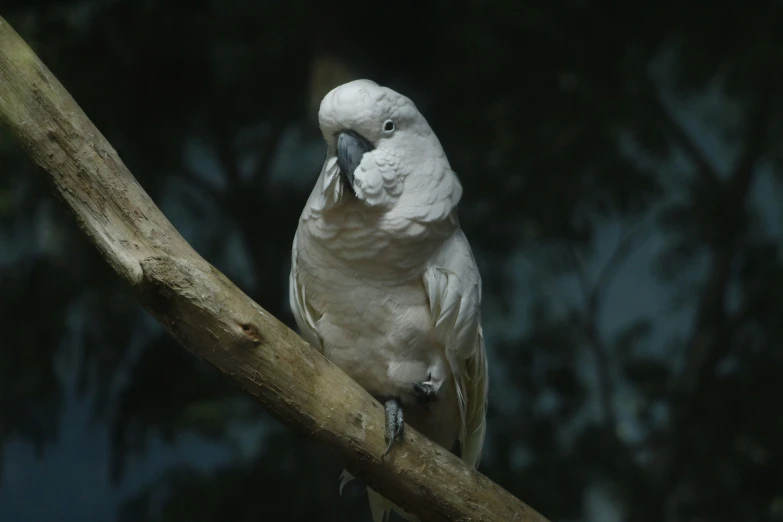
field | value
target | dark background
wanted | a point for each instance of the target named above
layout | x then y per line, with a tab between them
622	166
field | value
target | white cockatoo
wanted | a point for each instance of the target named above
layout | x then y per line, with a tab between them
383	281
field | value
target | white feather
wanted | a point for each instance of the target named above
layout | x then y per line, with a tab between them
304	315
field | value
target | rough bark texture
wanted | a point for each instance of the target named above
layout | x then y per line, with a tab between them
215	320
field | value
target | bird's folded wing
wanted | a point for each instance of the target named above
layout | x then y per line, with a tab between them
306	318
453	286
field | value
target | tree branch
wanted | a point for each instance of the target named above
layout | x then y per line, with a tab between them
595	342
191	177
592	295
218	323
712	336
678	134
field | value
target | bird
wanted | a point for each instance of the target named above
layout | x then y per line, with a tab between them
383	280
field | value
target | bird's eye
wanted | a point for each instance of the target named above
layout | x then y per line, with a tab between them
388	126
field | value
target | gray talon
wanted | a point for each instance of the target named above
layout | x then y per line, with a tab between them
425	391
394	423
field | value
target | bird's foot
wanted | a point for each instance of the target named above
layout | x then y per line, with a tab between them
394	423
425	391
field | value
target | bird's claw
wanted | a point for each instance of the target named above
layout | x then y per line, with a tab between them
394	423
425	391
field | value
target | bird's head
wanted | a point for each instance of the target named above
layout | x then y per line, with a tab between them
380	145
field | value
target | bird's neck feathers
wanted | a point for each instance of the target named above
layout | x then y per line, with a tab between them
402	236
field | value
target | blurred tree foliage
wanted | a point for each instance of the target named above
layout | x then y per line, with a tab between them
564	120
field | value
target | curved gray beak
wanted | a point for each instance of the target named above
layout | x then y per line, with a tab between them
350	149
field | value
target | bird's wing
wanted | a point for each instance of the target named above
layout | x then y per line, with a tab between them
453	286
306	317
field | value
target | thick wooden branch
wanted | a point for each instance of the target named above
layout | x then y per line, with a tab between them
215	320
